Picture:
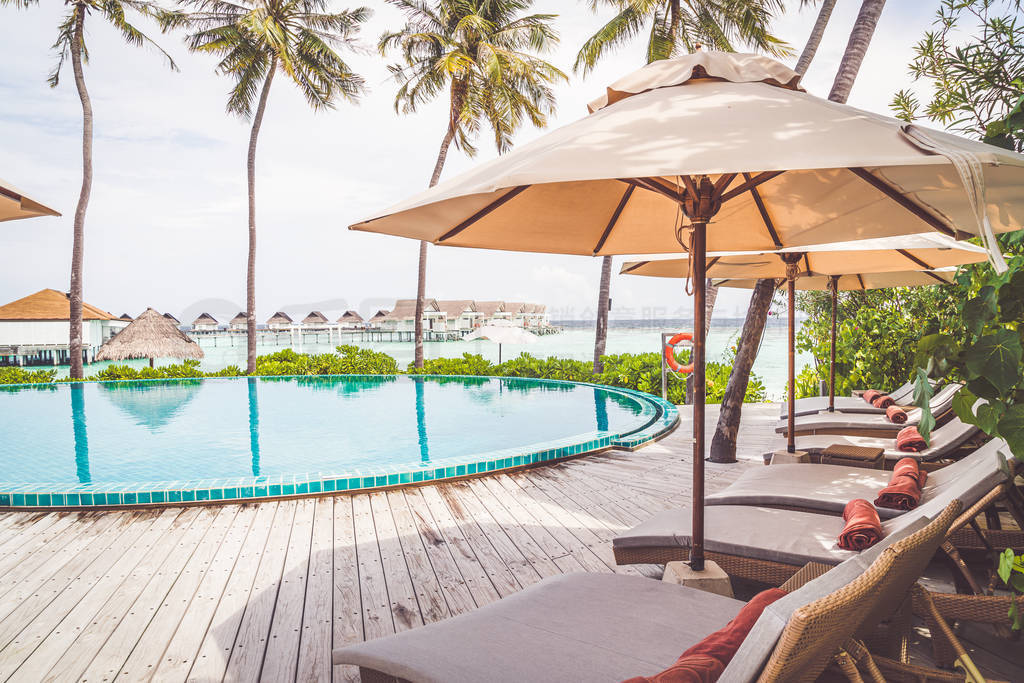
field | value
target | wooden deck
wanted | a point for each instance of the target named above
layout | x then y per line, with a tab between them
265	591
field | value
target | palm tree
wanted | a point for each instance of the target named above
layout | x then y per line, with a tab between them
70	44
255	40
673	27
483	55
723	444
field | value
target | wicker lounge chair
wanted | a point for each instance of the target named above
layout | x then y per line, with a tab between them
827	488
810	405
868	425
945	441
606	627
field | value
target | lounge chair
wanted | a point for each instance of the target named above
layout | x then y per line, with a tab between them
868	425
945	441
827	488
810	405
607	627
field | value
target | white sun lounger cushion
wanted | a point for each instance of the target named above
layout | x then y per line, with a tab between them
944	441
940	403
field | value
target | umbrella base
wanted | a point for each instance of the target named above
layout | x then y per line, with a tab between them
787	458
712	580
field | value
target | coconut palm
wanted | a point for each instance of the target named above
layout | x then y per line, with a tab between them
675	26
255	40
723	444
482	54
70	44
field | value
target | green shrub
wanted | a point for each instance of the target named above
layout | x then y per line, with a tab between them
186	369
467	364
11	375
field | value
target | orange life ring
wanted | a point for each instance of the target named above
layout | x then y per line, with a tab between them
670	356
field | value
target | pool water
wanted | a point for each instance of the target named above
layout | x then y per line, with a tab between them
189	430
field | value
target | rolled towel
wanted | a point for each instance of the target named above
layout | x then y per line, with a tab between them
896	415
909	440
863	529
904	489
883	401
870	395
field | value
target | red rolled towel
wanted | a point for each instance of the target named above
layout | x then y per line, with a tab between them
870	395
883	402
909	440
863	529
904	489
895	414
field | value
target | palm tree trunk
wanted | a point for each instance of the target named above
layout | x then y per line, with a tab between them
250	275
710	297
601	332
860	38
421	277
78	244
816	35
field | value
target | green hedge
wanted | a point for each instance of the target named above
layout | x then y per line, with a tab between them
640	371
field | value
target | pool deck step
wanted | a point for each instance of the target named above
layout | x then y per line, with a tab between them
266	590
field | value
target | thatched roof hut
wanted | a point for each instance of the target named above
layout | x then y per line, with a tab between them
149	336
125	317
489	308
205	320
405	309
378	316
172	318
316	318
239	321
280	318
351	317
454	309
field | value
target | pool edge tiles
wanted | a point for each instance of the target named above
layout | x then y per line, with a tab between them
662	418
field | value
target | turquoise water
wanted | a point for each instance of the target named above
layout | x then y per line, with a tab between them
224	350
174	430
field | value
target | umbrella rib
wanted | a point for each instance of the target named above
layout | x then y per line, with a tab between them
750	183
927	268
712	262
615	218
13	195
860	279
638	264
512	194
651	186
904	201
763	211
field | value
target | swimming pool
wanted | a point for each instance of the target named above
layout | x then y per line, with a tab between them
171	441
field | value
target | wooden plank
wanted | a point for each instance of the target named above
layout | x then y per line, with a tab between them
440	534
158	565
31	655
316	633
431	599
405	607
246	659
50	538
348	607
212	659
24	530
179	654
282	652
149	648
378	618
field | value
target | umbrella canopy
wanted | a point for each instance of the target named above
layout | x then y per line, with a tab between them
14	204
151	335
502	332
717	152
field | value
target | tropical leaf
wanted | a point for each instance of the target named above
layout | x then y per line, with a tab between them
996	358
1011	429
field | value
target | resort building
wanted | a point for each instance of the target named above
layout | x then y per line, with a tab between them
125	317
402	317
375	320
280	321
460	315
488	310
205	323
511	311
534	315
316	319
238	322
172	319
350	320
34	329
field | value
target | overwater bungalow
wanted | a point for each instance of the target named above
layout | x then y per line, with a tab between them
172	319
238	322
280	321
376	318
459	314
34	329
488	310
205	323
402	317
351	320
316	320
535	315
511	311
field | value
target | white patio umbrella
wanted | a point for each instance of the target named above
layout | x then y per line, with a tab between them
907	261
15	205
502	332
721	152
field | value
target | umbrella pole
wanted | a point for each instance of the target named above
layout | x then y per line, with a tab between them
499	354
834	286
698	256
791	417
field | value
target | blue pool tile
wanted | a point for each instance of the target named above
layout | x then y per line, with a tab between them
287	489
392	479
302	488
129	498
231	493
31	499
417	475
315	487
174	496
368	482
188	496
274	490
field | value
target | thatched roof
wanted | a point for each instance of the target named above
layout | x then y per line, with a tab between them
514	307
240	318
351	317
279	318
151	335
125	317
49	304
405	309
171	317
315	318
541	308
454	309
152	404
379	315
205	319
489	308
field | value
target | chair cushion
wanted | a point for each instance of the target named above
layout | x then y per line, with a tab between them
588	627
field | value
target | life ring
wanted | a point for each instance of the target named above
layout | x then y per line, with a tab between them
670	356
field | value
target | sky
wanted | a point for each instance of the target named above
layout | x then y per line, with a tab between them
166	225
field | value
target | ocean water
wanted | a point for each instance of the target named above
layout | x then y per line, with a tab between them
572	342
